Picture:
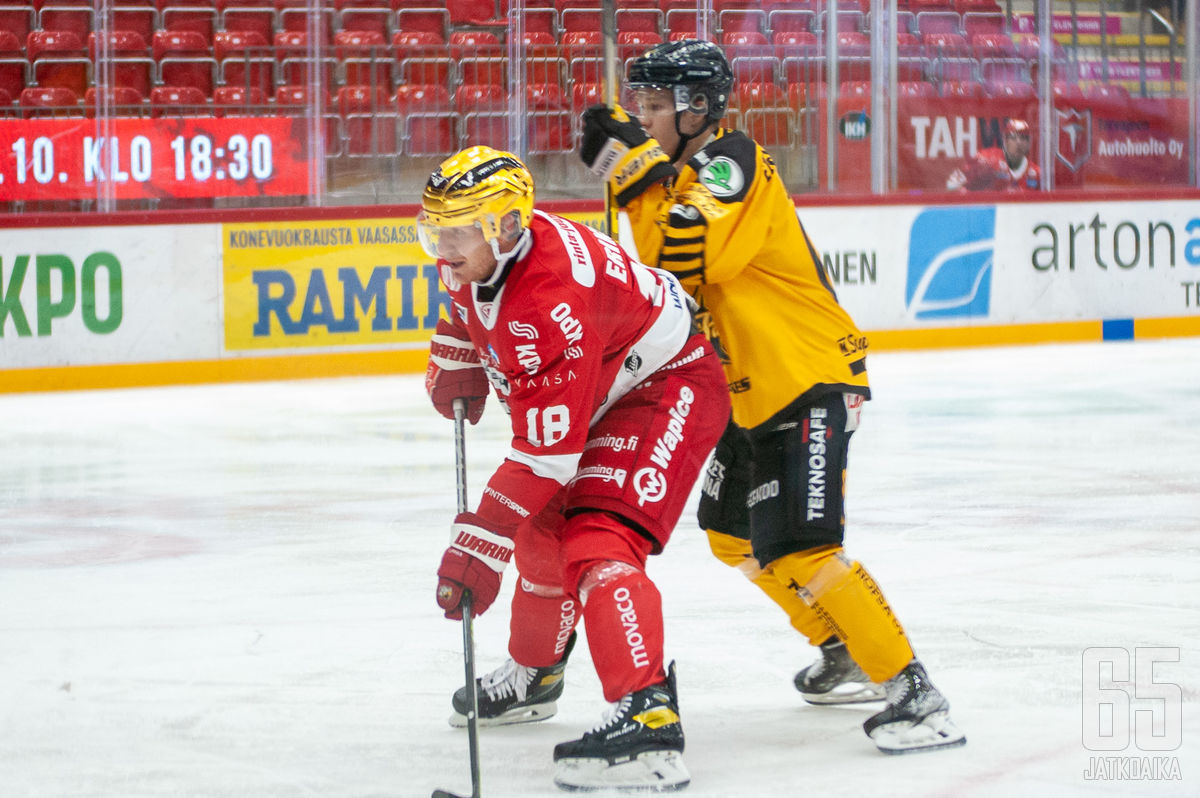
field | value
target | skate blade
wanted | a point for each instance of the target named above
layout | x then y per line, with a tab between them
933	733
652	771
530	714
859	693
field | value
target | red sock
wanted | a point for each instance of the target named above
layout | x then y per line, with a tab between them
624	622
540	625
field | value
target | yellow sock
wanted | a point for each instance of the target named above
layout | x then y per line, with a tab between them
736	552
845	597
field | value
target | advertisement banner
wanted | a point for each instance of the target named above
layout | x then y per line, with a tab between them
52	159
103	295
913	267
317	284
1098	142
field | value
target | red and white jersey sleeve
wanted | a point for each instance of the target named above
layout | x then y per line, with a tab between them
576	324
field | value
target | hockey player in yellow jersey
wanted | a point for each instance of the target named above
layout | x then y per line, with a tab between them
707	204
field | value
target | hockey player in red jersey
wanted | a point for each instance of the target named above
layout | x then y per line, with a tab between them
615	404
1006	168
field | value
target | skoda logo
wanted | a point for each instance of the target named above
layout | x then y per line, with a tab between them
723	177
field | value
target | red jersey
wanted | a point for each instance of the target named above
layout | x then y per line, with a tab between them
564	328
989	171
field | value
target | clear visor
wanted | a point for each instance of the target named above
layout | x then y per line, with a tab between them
441	241
646	99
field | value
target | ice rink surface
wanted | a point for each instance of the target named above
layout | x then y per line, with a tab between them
227	590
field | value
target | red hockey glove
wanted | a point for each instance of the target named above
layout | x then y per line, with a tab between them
616	148
474	561
454	372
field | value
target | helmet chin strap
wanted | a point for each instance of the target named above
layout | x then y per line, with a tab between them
685	138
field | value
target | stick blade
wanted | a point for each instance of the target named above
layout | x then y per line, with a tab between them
444	794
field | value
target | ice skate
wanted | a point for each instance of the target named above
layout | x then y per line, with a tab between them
836	679
916	718
638	746
514	693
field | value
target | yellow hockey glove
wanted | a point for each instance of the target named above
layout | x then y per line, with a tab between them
616	148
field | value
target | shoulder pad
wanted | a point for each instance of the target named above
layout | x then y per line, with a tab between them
726	166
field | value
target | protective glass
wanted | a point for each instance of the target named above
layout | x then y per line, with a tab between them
440	241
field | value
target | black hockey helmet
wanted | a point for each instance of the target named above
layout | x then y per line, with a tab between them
692	69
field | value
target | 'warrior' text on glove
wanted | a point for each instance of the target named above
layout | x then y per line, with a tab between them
454	372
474	561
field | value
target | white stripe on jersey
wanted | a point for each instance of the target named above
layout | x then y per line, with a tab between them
558	467
661	342
582	267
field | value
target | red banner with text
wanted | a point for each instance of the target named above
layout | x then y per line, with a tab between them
55	159
1099	143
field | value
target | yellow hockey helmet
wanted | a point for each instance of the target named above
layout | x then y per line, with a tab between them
477	187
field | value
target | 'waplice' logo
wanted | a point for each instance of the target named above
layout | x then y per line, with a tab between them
950	254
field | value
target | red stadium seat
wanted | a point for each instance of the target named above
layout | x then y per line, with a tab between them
475	43
488	128
916	88
480	97
238	101
365	17
783	19
184	59
961	88
402	40
79	20
770	127
483	70
426	124
142	20
294	63
368	121
365	59
14	68
49	101
177	101
122	101
743	20
250	19
424	70
433	20
632	43
188	18
582	43
132	65
297	100
1010	88
18	20
59	60
296	18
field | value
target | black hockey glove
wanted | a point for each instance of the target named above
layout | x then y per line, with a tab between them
616	148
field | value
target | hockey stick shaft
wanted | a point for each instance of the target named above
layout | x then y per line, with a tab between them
610	86
460	475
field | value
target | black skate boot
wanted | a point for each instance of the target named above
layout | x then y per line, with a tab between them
836	679
514	693
637	746
916	718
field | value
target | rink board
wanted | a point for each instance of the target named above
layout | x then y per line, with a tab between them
151	304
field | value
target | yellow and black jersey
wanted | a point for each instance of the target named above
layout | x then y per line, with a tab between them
727	228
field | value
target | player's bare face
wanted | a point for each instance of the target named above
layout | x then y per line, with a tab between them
1016	147
655	110
467	252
